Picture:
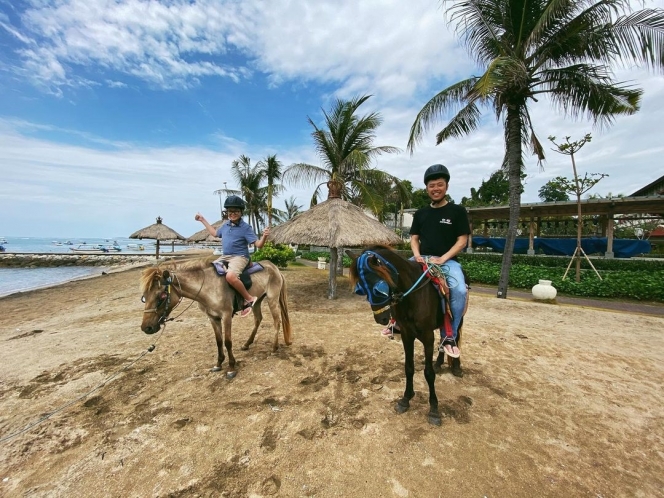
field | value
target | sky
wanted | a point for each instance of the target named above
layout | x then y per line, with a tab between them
116	112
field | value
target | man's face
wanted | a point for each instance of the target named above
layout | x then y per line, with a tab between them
234	214
437	189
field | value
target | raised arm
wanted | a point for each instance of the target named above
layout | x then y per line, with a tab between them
211	230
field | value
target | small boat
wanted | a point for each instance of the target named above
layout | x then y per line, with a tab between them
3	240
69	243
115	247
89	249
2	249
136	247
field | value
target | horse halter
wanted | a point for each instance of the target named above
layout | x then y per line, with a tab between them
377	290
164	300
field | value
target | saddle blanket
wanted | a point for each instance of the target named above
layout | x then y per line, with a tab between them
253	268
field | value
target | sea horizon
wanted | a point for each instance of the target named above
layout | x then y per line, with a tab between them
13	280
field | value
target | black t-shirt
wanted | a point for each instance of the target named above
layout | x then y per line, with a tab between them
439	228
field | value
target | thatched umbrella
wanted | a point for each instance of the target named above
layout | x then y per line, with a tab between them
204	235
157	231
334	223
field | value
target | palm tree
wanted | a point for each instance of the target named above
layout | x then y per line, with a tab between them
249	178
345	148
292	209
270	167
563	49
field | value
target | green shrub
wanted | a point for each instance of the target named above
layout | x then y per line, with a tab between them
633	280
278	254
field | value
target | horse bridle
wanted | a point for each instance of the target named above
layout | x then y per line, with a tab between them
392	298
164	299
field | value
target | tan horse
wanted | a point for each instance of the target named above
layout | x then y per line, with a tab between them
164	286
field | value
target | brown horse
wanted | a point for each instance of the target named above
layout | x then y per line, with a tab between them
164	286
396	287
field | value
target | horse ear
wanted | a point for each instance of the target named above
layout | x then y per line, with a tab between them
351	254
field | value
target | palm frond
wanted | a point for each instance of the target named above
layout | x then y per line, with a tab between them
448	100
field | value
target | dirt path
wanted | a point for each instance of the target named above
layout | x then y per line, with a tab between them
548	406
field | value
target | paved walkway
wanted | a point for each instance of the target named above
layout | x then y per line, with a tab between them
652	309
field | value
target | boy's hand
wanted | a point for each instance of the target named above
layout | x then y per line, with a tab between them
199	217
266	232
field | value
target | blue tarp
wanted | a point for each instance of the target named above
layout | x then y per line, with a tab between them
622	248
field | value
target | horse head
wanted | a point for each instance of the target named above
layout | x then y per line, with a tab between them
374	276
160	298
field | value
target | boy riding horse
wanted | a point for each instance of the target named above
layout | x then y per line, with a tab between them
236	235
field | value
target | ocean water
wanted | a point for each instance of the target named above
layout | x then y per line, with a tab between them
23	279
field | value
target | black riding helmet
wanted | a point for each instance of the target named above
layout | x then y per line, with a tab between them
233	201
436	171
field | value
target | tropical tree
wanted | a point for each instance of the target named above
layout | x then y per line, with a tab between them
494	191
552	191
270	168
292	210
563	49
346	150
250	178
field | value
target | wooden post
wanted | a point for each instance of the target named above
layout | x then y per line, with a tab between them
531	237
469	250
609	236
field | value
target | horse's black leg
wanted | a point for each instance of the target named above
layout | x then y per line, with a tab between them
456	367
216	325
430	376
408	347
440	361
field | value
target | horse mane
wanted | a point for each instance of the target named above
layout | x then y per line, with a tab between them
154	273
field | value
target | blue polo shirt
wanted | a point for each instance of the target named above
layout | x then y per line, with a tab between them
235	239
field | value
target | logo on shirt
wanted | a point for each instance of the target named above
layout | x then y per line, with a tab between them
446	221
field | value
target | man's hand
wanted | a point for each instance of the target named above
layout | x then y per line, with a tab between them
438	260
419	259
199	217
266	232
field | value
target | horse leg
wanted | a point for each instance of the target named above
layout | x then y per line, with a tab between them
258	318
440	361
275	311
409	348
430	376
228	342
216	325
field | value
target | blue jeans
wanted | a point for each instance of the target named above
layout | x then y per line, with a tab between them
458	294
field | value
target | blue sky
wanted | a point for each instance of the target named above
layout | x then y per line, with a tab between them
114	113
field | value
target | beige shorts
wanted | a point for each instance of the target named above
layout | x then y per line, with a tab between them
236	264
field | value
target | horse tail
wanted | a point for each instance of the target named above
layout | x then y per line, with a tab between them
285	319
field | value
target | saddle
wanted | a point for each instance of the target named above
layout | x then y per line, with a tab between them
245	278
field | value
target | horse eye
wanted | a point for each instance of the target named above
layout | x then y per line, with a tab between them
142	299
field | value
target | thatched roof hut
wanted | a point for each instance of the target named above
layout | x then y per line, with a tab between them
334	223
204	235
157	231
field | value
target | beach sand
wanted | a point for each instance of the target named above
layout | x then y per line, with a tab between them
548	406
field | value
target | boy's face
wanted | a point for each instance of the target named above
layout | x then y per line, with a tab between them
234	214
437	189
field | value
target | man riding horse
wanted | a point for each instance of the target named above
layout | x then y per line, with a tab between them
438	234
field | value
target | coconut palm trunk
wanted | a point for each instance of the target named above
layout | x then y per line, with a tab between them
514	154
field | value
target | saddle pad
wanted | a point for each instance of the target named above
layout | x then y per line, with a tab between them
221	269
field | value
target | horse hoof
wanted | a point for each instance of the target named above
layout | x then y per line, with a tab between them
457	372
244	348
231	375
435	420
400	408
215	369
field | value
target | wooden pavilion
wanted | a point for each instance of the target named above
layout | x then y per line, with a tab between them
606	209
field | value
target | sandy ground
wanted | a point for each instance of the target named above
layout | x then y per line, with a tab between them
548	405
